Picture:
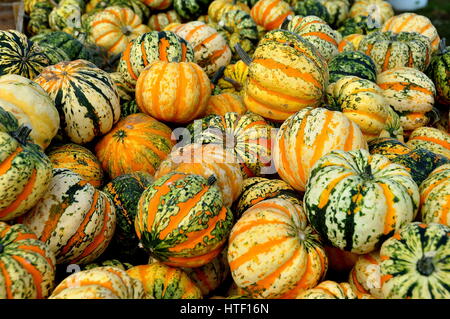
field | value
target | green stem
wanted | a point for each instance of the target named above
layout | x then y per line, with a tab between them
442	46
242	54
236	84
211	180
215	78
22	134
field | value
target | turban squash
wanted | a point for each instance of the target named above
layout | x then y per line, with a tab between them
354	199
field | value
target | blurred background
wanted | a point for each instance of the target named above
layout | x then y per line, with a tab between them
438	11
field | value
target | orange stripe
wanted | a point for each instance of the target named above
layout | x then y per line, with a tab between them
205	41
266	12
193	261
385	278
6	164
281	95
390	218
34	272
371	115
433	140
255	250
357	284
443	216
163	47
278	21
8	282
155	89
126	57
188	36
39	251
348	145
400	86
95	23
404	23
180	91
144	54
322	36
387	58
252	224
324	196
321	138
27	190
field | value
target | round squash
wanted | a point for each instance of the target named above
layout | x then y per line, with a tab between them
86	97
207	160
350	42
190	10
32	107
412	22
218	8
79	160
164	282
365	277
27	265
270	14
25	170
114	27
329	290
182	221
286	75
306	8
414	262
435	196
211	51
316	31
73	218
149	47
361	25
137	143
378	11
338	10
430	138
225	102
410	93
352	63
19	55
307	136
99	283
272	252
233	79
176	92
66	16
159	21
354	199
439	73
158	4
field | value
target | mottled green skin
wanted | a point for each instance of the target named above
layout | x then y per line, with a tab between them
125	192
38	22
418	261
110	262
21	284
352	63
312	8
338	10
60	46
357	25
439	72
149	43
389	147
128	108
198	218
19	55
420	163
238	27
190	10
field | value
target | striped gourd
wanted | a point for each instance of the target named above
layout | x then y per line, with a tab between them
211	50
27	265
248	137
352	63
233	80
125	192
338	10
149	47
79	160
32	107
329	290
378	11
414	262
60	46
270	14
73	218
207	160
124	89
159	21
172	212
410	93
275	229
389	50
412	22
238	27
316	31
307	136
158	4
138	6
350	42
380	198
209	277
66	16
128	108
358	25
365	277
99	283
164	282
219	8
432	139
435	196
114	27
361	101
85	96
286	75
38	22
311	8
257	189
190	10
439	72
389	147
25	170
19	55
137	143
223	103
176	92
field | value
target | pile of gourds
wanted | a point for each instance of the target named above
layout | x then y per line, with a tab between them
227	149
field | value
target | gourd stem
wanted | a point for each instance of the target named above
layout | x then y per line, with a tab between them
285	23
211	180
1	248
442	46
236	84
367	172
21	135
425	266
215	78
242	54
